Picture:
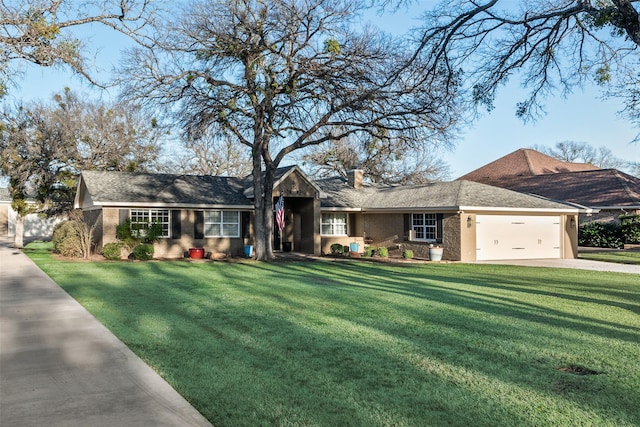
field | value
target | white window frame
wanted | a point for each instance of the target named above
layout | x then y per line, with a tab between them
223	221
427	230
336	227
150	216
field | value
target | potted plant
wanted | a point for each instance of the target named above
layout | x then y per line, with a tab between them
435	252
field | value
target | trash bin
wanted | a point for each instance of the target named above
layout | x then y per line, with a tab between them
354	247
248	250
286	246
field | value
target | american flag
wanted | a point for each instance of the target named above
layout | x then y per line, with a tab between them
280	213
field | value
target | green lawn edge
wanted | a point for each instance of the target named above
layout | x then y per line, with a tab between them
353	343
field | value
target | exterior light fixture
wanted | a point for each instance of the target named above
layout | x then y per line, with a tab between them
469	221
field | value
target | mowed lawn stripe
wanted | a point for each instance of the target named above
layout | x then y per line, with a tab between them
374	344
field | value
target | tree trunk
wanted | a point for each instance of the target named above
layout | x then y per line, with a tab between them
18	239
263	203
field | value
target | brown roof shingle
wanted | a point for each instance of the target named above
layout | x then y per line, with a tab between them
529	171
524	162
596	188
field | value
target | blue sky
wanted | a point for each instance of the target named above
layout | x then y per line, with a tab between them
582	117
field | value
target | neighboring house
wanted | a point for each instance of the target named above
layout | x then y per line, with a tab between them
36	227
471	221
608	193
5	205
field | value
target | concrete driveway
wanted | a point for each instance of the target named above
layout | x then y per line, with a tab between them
60	367
582	264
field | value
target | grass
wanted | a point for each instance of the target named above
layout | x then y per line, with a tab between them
622	257
374	344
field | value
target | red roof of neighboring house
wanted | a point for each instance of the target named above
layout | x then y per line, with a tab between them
529	171
524	162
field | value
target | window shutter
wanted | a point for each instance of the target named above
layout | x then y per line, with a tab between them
198	225
439	218
407	225
176	224
123	216
244	224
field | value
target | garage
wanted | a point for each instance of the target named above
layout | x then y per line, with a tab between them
517	237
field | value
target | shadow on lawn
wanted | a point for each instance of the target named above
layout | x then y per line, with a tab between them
397	281
374	344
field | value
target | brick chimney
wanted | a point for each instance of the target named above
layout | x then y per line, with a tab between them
355	177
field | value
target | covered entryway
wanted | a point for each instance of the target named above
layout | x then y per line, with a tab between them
298	232
517	237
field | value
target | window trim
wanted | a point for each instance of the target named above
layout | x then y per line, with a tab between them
159	212
333	224
428	229
222	223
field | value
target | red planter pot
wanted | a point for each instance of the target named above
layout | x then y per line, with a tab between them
196	253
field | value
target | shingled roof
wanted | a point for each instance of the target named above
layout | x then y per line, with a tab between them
529	171
456	195
600	188
134	188
523	162
140	189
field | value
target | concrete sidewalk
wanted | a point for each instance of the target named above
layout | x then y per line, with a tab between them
60	367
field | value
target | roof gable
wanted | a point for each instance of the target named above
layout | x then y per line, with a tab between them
524	162
281	176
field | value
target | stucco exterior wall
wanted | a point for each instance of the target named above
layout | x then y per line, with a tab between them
4	219
467	237
570	238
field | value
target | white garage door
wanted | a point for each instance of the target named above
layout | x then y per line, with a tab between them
517	237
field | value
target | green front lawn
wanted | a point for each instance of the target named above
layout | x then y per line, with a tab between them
371	344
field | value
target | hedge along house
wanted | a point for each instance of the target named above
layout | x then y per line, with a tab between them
472	221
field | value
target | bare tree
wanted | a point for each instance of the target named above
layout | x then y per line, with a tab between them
41	32
44	146
553	46
212	155
581	152
283	75
106	135
388	161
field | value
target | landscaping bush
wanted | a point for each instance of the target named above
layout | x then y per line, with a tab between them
383	252
337	249
407	253
600	235
142	233
66	239
630	228
369	251
112	251
143	252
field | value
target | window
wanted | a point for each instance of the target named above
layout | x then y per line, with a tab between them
222	224
142	218
334	224
424	226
